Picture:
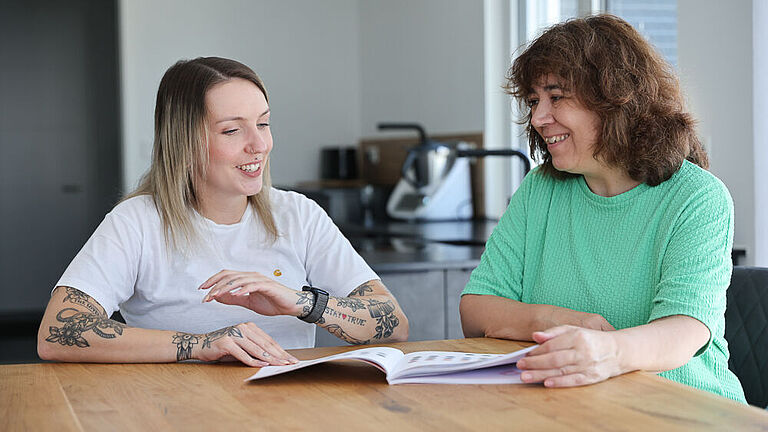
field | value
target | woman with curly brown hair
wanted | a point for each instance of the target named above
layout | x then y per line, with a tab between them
614	254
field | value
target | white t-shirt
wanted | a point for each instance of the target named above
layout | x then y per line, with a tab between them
126	265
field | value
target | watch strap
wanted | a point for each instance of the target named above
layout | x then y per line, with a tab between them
321	301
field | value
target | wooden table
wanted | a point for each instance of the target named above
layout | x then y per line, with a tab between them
346	396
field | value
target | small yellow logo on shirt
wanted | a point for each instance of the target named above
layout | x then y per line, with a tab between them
277	272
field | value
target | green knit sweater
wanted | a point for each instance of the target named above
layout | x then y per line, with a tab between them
642	255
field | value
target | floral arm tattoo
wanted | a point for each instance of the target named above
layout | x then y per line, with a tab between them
75	323
184	343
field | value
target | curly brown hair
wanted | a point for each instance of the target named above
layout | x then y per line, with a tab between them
613	71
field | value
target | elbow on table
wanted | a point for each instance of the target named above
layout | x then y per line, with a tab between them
404	330
468	312
51	351
47	350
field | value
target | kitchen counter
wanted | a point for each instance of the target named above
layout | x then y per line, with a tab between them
404	246
397	245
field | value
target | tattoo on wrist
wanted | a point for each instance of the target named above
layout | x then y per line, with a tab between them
361	290
75	323
231	331
307	299
184	343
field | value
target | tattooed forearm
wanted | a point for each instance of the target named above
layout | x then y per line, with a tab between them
386	321
307	299
80	298
336	314
337	331
75	323
352	303
184	343
220	333
361	290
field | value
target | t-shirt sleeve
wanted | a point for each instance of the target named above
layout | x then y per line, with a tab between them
696	267
106	266
500	271
331	262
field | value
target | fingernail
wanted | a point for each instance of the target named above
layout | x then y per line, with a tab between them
525	376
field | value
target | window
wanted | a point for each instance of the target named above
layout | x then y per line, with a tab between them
654	19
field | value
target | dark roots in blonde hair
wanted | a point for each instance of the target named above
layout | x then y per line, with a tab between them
612	70
180	151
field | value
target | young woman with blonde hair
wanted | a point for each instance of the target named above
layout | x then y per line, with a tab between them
205	260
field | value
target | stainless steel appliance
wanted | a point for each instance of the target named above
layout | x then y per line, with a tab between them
435	183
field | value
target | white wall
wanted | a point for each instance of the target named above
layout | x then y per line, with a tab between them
306	51
422	61
333	68
715	63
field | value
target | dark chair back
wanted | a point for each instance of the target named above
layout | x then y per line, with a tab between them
746	330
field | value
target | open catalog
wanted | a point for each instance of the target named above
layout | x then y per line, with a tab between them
426	367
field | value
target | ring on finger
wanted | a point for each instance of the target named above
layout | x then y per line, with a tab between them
265	354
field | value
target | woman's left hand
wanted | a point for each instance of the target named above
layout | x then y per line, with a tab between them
571	356
252	290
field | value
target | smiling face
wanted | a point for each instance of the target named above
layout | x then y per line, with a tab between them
569	129
239	142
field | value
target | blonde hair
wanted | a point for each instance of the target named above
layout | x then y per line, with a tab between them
180	151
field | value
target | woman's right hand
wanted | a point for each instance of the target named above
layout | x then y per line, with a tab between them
244	342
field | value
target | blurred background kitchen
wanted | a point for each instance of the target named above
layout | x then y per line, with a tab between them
78	80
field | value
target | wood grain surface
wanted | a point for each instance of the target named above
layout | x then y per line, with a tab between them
345	396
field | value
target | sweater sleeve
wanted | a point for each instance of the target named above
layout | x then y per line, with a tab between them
500	271
696	266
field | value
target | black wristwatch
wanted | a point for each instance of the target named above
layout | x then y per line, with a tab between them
321	300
